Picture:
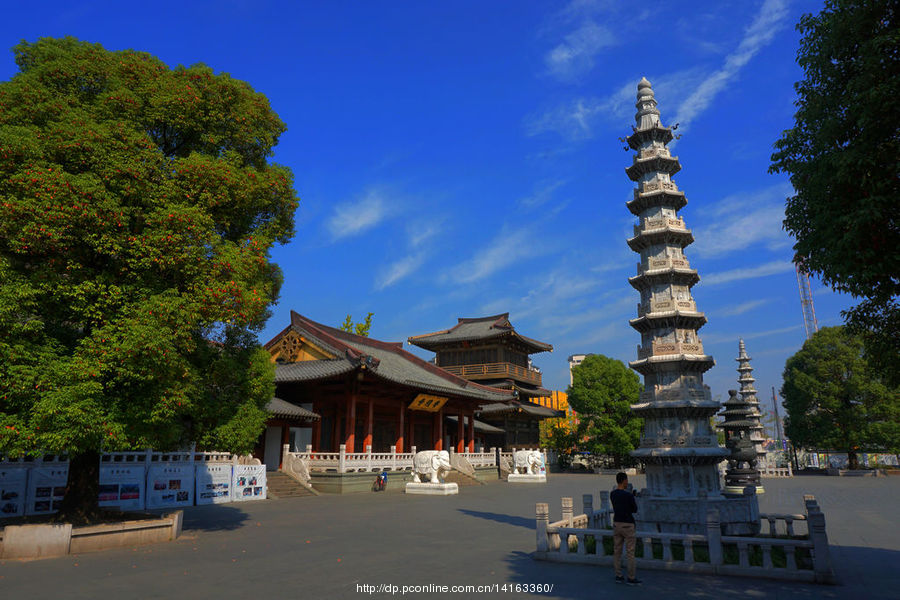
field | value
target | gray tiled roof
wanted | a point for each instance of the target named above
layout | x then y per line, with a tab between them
478	425
381	359
279	408
310	370
481	328
533	410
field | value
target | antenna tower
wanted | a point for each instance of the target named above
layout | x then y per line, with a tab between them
806	302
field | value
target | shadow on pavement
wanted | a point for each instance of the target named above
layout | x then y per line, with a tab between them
500	518
214	517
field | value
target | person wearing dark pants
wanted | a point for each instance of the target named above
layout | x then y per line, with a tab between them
624	507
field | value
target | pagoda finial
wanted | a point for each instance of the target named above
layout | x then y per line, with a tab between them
742	350
647	116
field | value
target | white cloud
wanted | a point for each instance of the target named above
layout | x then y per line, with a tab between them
351	218
542	194
742	308
423	231
506	249
575	55
743	220
770	268
771	18
714	338
399	270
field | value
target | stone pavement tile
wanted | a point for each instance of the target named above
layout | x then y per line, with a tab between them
323	547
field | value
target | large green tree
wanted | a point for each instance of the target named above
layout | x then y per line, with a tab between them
137	210
835	400
602	392
842	157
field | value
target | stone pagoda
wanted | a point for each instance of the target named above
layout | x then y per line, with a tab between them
738	424
748	395
678	446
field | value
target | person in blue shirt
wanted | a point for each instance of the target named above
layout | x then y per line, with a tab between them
624	507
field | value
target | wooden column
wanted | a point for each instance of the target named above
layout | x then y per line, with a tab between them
460	441
350	433
437	430
367	441
316	430
400	430
336	429
285	439
471	436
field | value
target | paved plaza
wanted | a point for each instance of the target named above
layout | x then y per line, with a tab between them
327	546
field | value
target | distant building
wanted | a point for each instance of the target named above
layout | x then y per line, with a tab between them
574	361
489	351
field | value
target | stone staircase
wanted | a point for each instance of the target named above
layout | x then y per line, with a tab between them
461	479
284	486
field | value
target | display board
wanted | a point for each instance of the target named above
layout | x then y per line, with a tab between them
170	484
122	486
13	481
248	483
46	488
213	483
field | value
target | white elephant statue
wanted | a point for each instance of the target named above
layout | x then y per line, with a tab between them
528	462
430	465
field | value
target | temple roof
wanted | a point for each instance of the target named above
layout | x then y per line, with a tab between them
533	410
280	408
384	360
477	329
477	425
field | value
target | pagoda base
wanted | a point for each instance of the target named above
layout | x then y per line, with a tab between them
737	515
525	478
738	490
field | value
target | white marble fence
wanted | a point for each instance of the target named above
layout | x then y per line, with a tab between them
368	461
777	553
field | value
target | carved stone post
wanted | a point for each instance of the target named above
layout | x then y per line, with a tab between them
342	451
818	537
604	510
714	537
543	518
587	501
567	512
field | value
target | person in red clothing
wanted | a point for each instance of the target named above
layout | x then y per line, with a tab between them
624	507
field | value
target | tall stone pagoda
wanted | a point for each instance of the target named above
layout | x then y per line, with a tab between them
678	447
748	395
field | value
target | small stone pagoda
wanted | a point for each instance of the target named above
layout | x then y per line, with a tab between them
678	446
738	425
748	395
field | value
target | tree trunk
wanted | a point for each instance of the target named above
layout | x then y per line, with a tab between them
852	461
79	505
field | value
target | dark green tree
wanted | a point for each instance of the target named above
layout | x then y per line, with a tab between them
358	328
835	400
841	155
137	211
602	392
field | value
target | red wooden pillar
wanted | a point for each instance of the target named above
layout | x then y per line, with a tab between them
367	441
471	436
400	430
350	432
460	441
437	430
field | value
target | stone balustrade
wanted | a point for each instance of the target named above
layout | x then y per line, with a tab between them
350	462
661	223
655	306
585	539
654	186
673	394
770	471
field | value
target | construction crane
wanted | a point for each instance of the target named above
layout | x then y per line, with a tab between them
806	301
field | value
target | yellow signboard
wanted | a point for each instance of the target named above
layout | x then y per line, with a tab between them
428	403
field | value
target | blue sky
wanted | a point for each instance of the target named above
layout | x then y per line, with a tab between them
461	159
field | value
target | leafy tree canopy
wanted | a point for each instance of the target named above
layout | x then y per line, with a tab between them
358	328
137	211
835	400
841	155
602	392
